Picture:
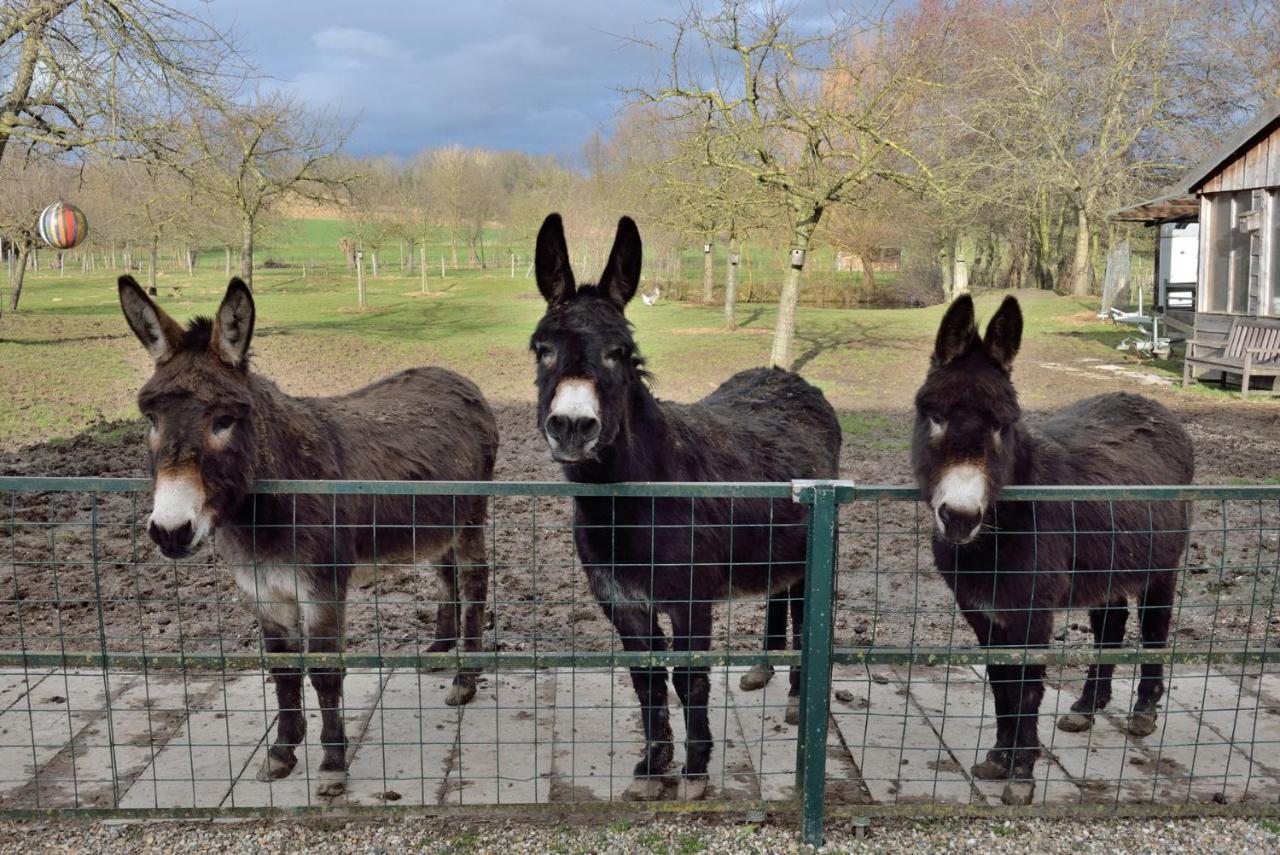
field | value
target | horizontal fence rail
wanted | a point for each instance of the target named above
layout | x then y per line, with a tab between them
133	685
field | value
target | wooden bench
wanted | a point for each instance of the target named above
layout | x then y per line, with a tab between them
1252	349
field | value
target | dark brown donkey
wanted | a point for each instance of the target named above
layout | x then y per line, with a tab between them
216	426
645	558
1011	565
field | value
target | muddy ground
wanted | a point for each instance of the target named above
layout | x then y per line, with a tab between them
888	595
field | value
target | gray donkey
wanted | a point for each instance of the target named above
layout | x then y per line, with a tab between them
216	426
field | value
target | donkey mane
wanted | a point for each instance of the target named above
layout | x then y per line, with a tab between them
198	333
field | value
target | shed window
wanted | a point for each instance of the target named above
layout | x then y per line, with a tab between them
1228	247
1271	299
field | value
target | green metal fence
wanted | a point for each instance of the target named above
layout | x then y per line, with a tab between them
133	686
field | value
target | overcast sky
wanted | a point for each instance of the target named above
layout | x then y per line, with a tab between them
505	74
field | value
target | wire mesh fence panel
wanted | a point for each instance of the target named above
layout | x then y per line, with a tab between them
915	687
133	684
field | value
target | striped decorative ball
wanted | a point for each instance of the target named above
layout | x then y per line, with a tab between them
62	225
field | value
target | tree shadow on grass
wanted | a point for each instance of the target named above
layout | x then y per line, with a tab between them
850	335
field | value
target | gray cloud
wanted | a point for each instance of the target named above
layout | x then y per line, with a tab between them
537	76
534	75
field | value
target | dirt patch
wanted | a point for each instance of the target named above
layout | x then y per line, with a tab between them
56	567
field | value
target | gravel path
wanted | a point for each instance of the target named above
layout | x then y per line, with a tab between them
685	835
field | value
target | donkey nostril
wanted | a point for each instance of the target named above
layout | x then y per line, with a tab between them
588	429
556	426
182	535
944	514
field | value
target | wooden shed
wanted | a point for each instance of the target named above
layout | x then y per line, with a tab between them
1239	194
1235	196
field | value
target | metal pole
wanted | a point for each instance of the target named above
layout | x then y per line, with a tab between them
815	659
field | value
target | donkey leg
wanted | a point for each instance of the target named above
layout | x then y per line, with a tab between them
279	623
775	638
324	616
471	571
446	632
1154	612
998	763
796	595
1026	694
1108	623
691	630
637	625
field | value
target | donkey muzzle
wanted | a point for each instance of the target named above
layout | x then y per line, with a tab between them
957	527
572	437
173	542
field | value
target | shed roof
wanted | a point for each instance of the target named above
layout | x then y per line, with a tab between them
1267	119
1177	202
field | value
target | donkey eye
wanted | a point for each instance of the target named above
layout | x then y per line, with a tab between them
151	420
222	424
937	426
545	353
614	356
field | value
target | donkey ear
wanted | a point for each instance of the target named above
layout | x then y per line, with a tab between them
160	334
551	262
957	333
1004	333
621	275
233	325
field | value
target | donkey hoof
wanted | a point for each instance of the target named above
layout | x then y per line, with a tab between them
461	692
757	678
1075	722
692	789
643	790
990	770
1141	723
1018	792
332	784
793	711
274	767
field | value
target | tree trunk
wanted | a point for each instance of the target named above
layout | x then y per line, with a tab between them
373	257
191	261
360	300
151	268
708	273
962	259
868	277
785	331
246	250
731	291
453	248
18	278
409	259
1081	280
948	267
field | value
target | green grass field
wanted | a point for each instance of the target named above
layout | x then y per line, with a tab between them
68	358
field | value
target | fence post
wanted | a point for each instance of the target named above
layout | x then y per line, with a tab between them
815	660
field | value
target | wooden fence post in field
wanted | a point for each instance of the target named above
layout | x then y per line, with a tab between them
423	268
442	274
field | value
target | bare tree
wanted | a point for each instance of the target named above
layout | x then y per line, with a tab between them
82	73
808	114
27	185
252	156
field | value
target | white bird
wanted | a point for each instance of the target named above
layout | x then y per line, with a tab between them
650	299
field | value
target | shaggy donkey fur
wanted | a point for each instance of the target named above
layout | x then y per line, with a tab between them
675	557
216	426
1011	565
